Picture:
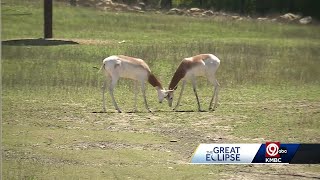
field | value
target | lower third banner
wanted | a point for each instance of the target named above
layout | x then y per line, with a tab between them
270	152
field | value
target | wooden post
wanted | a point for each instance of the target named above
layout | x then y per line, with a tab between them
47	18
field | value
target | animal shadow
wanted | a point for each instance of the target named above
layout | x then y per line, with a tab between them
37	42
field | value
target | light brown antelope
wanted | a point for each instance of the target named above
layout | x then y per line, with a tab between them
120	66
204	65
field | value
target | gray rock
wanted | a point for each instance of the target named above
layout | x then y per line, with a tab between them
175	11
306	20
193	10
290	17
208	13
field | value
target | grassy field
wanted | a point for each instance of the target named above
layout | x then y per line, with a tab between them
270	91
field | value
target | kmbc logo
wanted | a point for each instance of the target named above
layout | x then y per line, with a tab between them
273	152
272	149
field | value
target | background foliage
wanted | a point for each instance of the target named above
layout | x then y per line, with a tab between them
259	7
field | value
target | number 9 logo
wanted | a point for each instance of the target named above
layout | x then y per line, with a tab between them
272	149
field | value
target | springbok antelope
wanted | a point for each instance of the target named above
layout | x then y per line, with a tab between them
133	68
204	65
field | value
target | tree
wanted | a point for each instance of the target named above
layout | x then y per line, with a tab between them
165	4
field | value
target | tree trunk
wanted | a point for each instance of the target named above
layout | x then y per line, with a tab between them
241	7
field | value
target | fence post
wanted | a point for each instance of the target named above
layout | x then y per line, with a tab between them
47	18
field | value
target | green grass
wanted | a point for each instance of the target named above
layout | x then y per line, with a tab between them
270	91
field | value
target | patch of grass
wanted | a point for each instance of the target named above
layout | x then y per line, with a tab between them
241	63
61	129
70	22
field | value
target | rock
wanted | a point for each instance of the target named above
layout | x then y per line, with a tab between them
100	4
120	7
130	9
142	5
235	17
262	19
136	8
290	17
208	13
306	20
223	14
175	11
193	10
108	2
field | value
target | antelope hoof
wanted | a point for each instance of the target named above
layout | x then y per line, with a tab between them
119	111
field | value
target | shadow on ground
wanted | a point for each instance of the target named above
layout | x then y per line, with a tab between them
155	111
37	42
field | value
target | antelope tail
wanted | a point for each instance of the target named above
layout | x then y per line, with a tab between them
102	67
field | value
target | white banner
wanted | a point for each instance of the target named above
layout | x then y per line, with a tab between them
225	153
